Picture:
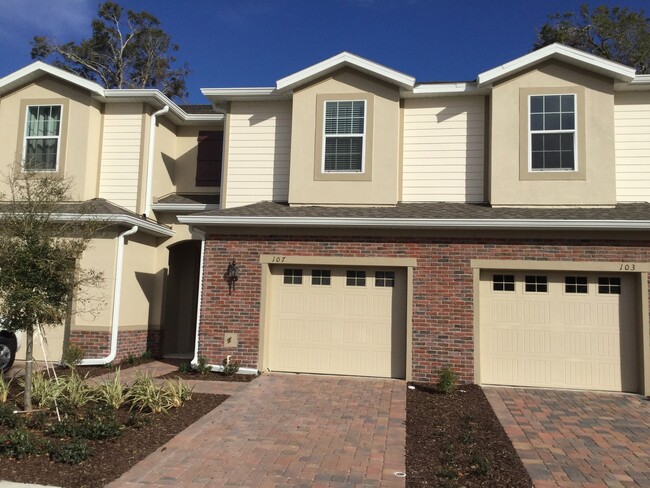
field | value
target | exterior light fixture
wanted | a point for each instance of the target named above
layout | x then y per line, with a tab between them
231	276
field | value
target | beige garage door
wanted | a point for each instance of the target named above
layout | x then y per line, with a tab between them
348	321
564	330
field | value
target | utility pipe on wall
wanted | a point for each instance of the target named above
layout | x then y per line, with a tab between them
117	295
152	140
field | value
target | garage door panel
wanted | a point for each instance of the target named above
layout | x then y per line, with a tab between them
338	329
559	339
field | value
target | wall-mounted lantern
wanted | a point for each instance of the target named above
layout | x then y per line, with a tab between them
231	276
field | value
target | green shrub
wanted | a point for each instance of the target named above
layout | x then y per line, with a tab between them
129	360
18	443
112	392
202	365
7	416
36	420
72	355
480	464
137	420
177	392
4	388
145	395
146	356
45	391
184	368
230	367
70	453
446	380
76	391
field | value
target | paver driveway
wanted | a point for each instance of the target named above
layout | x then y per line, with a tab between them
289	430
577	439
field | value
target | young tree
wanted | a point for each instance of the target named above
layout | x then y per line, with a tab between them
39	272
614	33
124	51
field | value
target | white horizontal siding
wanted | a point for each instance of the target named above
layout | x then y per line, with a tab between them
444	149
120	163
259	146
632	142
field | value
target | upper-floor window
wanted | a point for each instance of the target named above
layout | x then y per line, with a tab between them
209	157
552	132
42	137
344	136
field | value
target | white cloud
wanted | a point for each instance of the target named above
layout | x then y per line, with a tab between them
64	20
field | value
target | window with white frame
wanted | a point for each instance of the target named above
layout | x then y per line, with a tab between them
344	136
42	137
552	132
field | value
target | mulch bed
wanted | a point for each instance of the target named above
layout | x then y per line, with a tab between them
211	376
113	457
456	440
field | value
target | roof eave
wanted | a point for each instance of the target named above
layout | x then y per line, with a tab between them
512	224
127	220
37	69
184	207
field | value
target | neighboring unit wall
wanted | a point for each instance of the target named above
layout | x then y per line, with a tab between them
80	130
121	154
258	146
594	181
632	130
443	149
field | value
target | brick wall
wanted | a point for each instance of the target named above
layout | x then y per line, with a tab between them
442	295
135	342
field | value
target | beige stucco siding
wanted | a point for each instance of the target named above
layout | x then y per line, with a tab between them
121	154
258	152
80	126
138	282
593	182
443	149
632	139
164	155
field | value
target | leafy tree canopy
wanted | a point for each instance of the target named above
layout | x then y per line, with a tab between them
127	49
614	33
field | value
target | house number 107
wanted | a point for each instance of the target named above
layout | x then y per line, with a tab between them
278	259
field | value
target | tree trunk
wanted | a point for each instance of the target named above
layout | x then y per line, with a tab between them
29	358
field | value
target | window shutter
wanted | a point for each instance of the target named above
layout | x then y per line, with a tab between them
209	157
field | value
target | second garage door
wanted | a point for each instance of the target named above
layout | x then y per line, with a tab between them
566	330
335	320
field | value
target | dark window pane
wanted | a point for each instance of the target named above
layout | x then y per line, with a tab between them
536	104
552	122
568	104
566	142
567	160
551	103
552	160
568	121
537	142
552	142
537	122
537	160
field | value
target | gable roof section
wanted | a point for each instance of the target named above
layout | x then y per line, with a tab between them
563	53
343	60
37	69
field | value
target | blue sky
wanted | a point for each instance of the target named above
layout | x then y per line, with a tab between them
240	43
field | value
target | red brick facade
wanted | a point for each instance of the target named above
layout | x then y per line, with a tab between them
442	286
134	342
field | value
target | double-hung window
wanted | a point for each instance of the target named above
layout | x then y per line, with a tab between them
552	132
344	136
42	137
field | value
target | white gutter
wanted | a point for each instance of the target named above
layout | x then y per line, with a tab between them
131	220
417	223
117	292
152	140
184	207
195	361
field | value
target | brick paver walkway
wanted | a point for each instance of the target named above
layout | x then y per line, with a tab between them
288	430
577	439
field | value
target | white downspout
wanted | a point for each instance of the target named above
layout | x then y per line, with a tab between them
195	361
152	140
201	234
117	295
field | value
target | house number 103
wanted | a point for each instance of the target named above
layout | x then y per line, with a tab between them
627	267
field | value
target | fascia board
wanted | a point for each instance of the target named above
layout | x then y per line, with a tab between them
563	53
444	89
127	220
180	207
340	60
640	82
233	94
40	68
161	100
513	224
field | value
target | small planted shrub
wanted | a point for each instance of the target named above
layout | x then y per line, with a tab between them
4	389
19	443
185	368
130	360
45	391
7	416
137	420
146	396
446	380
75	391
230	367
202	365
73	452
177	392
112	392
146	356
36	420
72	356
